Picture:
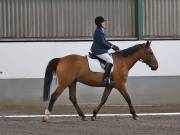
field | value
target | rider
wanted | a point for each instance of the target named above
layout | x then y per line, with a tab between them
101	46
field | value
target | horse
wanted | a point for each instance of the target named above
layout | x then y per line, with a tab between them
73	68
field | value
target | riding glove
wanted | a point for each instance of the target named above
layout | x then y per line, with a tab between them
115	48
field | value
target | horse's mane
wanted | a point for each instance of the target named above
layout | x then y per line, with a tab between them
128	51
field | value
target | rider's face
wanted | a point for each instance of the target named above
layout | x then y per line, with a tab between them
104	24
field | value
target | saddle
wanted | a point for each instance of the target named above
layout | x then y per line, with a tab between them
102	62
96	64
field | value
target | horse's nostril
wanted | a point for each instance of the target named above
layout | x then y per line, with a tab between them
154	67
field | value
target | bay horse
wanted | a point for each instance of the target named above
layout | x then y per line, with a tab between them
74	68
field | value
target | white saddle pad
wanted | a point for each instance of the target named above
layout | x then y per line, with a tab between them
95	65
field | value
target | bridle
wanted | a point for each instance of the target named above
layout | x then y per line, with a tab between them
148	60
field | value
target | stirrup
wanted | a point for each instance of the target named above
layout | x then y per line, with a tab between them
108	82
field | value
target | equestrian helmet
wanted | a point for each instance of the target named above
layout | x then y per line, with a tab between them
99	20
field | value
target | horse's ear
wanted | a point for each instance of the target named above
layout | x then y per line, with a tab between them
148	43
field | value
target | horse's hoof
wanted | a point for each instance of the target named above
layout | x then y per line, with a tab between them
93	118
83	118
45	118
136	117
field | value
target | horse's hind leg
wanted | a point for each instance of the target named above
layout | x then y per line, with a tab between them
54	97
124	92
72	97
106	93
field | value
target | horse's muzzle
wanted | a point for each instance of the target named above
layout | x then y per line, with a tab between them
154	67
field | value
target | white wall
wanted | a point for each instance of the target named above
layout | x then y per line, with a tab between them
29	59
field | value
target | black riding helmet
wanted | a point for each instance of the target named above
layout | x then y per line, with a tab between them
99	20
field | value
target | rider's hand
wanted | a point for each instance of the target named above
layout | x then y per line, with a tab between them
115	48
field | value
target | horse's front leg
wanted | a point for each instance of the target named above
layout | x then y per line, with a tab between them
106	93
124	92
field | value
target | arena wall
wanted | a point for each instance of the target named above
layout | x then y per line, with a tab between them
23	65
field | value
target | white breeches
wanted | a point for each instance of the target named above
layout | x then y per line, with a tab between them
106	57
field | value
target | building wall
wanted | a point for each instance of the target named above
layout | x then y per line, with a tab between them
22	64
161	18
74	19
64	18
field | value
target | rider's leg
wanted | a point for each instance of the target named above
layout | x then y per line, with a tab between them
107	73
106	57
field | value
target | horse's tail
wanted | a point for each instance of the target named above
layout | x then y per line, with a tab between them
50	70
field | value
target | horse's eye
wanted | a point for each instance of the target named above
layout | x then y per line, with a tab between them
151	53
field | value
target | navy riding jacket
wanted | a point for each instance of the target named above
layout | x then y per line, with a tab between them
100	44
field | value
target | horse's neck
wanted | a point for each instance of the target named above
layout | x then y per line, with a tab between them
132	59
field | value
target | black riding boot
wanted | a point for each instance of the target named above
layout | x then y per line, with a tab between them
107	79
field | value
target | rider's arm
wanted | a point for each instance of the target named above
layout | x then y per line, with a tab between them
114	47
